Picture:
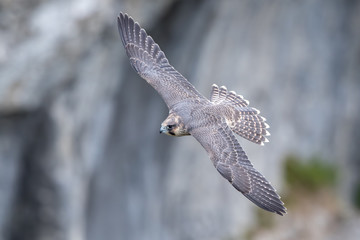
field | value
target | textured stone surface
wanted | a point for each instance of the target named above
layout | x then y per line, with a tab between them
80	153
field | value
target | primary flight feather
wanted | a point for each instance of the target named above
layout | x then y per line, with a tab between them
211	122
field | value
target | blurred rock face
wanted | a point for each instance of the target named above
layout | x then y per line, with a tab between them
80	153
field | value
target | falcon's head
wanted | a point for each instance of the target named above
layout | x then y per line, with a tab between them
173	126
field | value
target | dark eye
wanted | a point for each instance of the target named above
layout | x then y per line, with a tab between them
169	127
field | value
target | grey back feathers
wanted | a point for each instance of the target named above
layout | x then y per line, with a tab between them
212	123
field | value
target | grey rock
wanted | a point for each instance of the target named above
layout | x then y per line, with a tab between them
80	153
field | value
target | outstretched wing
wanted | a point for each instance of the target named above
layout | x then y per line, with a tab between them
232	163
151	63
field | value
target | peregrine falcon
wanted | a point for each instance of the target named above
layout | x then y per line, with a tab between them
213	123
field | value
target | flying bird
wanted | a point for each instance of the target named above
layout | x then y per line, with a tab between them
213	123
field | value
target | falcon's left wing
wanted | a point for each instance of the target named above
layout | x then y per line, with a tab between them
232	163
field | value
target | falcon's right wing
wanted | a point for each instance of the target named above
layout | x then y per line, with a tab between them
151	63
232	163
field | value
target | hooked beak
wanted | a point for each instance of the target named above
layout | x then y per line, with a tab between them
163	129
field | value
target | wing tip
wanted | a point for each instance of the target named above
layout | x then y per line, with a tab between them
276	207
121	14
283	210
121	21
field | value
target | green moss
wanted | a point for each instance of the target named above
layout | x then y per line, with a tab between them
311	175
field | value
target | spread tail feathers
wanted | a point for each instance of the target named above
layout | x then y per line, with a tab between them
243	120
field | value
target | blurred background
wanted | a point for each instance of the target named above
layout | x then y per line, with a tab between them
80	152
